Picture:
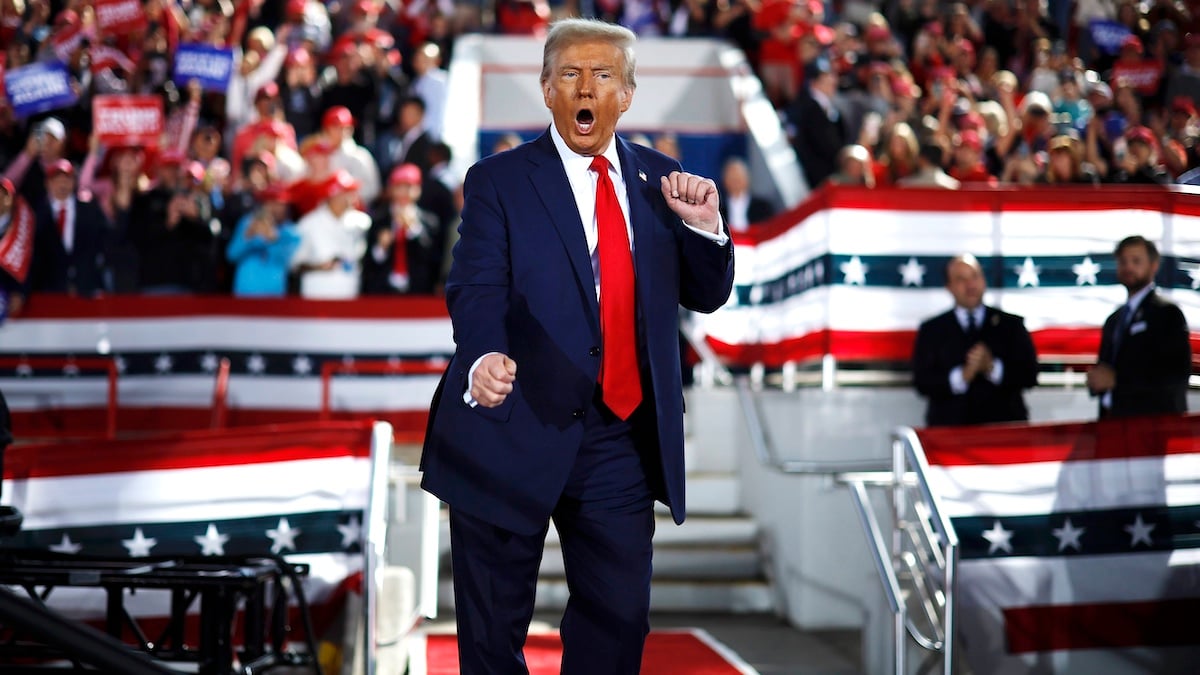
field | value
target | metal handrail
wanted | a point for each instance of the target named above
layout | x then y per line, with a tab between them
908	460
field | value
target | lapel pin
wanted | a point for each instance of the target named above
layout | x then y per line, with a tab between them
642	175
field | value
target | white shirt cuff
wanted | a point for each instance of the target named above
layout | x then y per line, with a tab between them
720	238
996	375
467	397
958	384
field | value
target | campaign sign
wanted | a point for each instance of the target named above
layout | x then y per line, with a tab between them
123	120
119	17
211	66
1143	76
39	87
1108	35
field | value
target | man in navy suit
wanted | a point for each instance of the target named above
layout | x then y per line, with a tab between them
68	252
520	430
1145	349
973	362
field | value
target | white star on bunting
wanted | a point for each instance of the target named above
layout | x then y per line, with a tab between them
912	273
855	271
301	365
24	370
351	532
209	362
140	545
283	536
1085	272
65	545
1193	272
1027	273
256	364
1068	536
999	538
1139	531
163	364
212	542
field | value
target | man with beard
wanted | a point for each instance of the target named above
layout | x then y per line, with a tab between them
1145	351
563	399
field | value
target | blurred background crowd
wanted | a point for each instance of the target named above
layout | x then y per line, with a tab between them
319	169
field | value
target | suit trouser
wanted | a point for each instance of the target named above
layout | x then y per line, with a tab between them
605	522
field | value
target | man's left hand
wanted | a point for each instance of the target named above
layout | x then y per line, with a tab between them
694	199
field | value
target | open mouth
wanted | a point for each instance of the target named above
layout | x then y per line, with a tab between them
584	120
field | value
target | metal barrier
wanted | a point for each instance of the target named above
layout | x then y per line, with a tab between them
918	568
72	366
370	367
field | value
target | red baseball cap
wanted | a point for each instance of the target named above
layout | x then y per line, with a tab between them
1140	134
1132	42
339	183
405	174
58	167
338	115
274	192
268	90
969	138
1183	104
295	8
7	186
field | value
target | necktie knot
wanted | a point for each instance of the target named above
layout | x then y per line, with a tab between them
599	165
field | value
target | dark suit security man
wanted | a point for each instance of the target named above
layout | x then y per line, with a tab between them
68	252
563	399
1145	351
973	362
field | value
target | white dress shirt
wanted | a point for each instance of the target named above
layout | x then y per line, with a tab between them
68	233
958	383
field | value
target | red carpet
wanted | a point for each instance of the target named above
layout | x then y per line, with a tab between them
668	652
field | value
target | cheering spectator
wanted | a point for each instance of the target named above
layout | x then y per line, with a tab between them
430	85
170	226
404	256
337	126
1065	165
332	243
28	171
262	246
68	254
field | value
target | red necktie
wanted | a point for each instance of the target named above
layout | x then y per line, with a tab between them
619	380
62	221
400	257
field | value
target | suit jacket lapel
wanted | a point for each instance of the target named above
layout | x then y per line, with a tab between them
552	187
641	216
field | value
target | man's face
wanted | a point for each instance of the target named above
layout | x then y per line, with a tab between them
586	92
965	282
1135	271
735	179
60	186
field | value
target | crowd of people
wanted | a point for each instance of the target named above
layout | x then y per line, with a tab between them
320	169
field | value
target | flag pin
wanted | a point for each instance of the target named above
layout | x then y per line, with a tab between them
642	175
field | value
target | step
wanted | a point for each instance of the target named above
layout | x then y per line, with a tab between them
674	564
710	494
741	597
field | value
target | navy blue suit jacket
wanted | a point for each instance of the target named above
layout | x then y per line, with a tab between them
80	271
521	284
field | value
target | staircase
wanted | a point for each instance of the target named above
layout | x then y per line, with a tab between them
711	563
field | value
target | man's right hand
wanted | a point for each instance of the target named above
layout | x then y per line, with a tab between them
1101	378
493	380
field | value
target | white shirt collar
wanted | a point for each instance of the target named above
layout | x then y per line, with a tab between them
1135	300
961	313
573	161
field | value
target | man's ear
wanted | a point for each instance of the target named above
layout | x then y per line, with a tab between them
547	93
626	98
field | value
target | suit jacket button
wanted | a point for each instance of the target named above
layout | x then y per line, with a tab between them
577	413
594	351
